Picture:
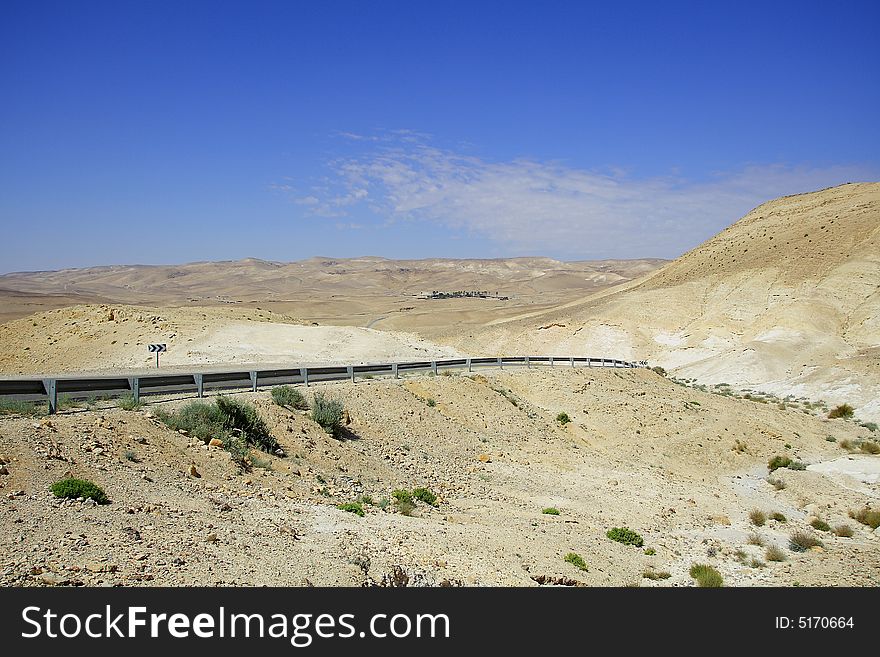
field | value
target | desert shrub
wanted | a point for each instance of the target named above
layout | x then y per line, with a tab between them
365	499
128	403
402	495
238	450
831	439
797	465
778	462
844	411
199	419
17	407
71	488
425	495
706	576
431	402
575	560
820	524
755	539
236	424
625	535
870	426
352	507
844	531
130	455
757	517
658	370
774	553
847	444
289	397
757	563
867	516
778	484
563	418
802	541
650	552
328	412
243	417
653	575
551	511
778	517
870	447
740	447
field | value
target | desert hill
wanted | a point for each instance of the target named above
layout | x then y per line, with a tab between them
114	338
787	299
352	292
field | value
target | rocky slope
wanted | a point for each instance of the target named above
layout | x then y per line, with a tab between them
682	467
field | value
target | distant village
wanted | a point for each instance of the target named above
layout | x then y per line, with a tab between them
462	294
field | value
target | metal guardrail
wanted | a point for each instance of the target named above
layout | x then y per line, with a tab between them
155	384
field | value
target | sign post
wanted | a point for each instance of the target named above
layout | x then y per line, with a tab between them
157	349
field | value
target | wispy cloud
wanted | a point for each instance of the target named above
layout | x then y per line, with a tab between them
527	206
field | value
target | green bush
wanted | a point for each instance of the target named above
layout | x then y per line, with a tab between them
867	516
575	560
402	495
821	525
71	488
778	462
289	398
236	424
328	412
243	417
650	552
870	426
625	536
757	517
352	507
706	576
844	531
778	517
128	403
431	402
844	411
659	370
563	418
551	511
425	495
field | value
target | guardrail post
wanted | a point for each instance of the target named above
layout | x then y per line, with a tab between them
253	381
500	364
528	364
434	366
304	373
551	361
470	369
200	384
350	370
603	362
394	370
135	385
571	360
52	393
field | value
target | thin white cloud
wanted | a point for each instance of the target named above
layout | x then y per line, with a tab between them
528	206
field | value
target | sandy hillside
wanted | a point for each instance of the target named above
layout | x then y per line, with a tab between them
787	299
681	467
115	338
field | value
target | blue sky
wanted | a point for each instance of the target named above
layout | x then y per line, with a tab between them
162	132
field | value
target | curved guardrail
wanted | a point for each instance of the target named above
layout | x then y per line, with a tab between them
155	384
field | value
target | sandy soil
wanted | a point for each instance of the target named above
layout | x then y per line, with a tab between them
681	467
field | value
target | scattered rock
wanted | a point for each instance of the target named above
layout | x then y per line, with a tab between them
215	442
485	458
193	472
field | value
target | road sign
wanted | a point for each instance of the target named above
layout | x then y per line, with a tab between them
157	349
